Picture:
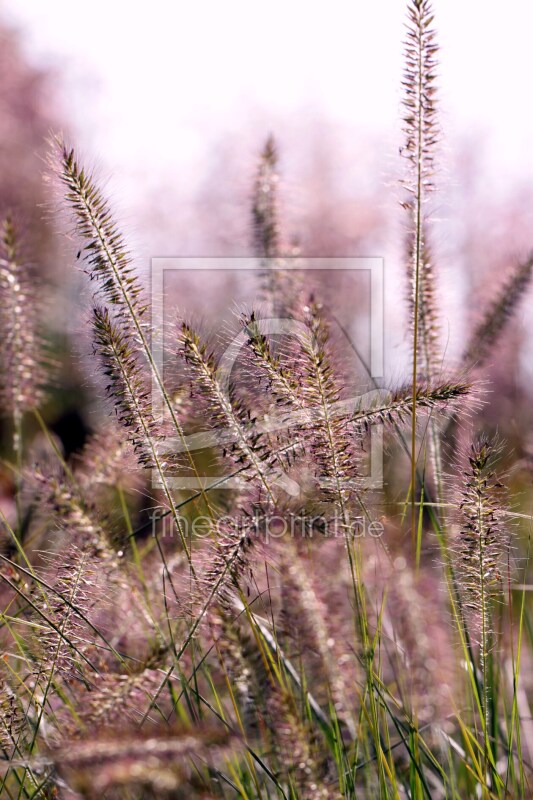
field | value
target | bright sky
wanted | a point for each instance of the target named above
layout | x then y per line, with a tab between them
157	83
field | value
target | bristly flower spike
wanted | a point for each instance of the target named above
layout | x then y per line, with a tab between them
21	355
110	264
421	131
264	204
490	327
480	547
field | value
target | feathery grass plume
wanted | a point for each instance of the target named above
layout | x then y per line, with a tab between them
279	284
428	333
265	226
246	444
127	385
229	556
76	516
110	265
87	550
104	250
481	544
78	584
489	329
234	649
335	441
421	135
114	695
132	398
483	539
107	459
16	733
86	572
420	121
157	761
308	622
292	741
15	730
283	382
395	407
264	204
285	413
21	357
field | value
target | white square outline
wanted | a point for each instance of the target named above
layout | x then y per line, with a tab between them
374	264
